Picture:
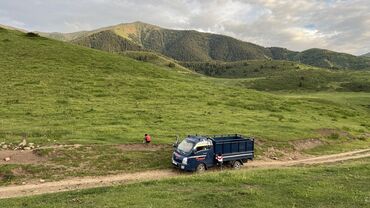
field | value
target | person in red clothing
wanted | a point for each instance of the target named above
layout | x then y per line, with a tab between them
147	139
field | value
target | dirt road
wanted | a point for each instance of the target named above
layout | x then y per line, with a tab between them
90	182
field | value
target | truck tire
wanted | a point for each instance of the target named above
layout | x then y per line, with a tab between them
201	168
237	165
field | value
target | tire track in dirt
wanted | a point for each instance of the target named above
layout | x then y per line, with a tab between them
103	181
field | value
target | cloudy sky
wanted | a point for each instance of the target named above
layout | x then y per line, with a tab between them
340	25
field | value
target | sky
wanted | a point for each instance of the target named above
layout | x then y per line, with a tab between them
339	25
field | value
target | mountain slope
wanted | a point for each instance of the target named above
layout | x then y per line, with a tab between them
331	59
322	58
190	46
177	44
53	90
366	55
107	41
272	75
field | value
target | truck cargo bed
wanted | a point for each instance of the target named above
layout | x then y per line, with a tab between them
233	147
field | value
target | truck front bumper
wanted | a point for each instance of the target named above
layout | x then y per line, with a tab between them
178	165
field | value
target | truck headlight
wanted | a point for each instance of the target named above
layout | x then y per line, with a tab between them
185	161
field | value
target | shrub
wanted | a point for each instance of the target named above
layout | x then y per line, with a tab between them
171	65
7	177
300	84
142	58
334	136
32	35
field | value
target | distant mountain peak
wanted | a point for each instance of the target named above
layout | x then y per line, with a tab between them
137	24
366	55
195	46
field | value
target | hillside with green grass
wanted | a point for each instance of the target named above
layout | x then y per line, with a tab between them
193	46
337	185
272	75
107	41
366	55
57	91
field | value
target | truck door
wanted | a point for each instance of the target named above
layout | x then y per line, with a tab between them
210	159
200	154
205	154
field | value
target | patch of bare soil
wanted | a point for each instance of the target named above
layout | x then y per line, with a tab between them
306	144
325	132
60	146
281	154
142	147
20	157
101	181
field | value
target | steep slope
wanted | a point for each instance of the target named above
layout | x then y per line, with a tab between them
190	46
51	90
107	41
180	45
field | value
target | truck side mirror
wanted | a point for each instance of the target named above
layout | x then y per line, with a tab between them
176	144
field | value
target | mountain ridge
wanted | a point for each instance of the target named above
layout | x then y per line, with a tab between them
195	46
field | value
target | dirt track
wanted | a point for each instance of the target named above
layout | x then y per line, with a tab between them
90	182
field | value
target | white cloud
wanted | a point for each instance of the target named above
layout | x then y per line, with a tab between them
341	25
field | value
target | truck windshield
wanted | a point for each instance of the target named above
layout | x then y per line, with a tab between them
185	147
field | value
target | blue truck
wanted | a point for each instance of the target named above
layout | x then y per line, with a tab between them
198	153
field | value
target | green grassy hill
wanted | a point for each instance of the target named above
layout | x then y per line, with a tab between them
53	90
158	60
322	58
331	59
312	80
243	69
193	46
271	75
366	55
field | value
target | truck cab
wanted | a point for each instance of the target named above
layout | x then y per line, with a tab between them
192	151
198	153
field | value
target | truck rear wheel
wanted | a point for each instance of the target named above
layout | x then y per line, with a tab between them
237	165
201	168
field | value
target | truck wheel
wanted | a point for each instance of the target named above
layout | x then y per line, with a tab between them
237	165
201	168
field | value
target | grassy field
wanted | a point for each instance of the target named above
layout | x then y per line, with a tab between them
57	91
336	185
90	160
